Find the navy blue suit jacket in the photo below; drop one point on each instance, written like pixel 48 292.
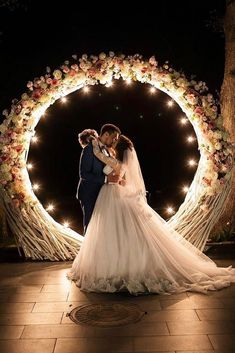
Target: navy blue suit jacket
pixel 91 176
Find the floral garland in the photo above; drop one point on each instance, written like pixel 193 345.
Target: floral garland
pixel 200 107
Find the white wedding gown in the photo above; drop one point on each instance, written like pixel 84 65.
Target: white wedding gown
pixel 129 247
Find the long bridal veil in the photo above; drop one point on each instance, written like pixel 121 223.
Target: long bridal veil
pixel 135 190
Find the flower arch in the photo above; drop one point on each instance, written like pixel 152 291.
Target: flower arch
pixel 36 232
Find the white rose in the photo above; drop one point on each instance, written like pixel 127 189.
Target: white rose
pixel 3 128
pixel 218 146
pixel 102 56
pixel 57 74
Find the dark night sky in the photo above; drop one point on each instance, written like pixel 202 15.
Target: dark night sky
pixel 173 32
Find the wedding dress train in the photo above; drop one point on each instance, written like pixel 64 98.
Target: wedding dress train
pixel 129 247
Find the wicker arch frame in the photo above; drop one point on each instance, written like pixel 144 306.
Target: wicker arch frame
pixel 37 234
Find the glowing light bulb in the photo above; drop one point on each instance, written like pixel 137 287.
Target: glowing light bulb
pixel 170 103
pixel 34 139
pixel 66 224
pixel 128 81
pixel 184 121
pixel 64 100
pixel 50 207
pixel 192 162
pixel 36 186
pixel 190 139
pixel 170 210
pixel 152 90
pixel 86 89
pixel 29 166
pixel 185 189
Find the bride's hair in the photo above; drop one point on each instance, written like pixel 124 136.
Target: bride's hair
pixel 122 145
pixel 86 136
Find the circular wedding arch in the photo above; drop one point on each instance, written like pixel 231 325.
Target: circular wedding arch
pixel 36 232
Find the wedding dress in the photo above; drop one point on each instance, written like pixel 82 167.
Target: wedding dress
pixel 129 247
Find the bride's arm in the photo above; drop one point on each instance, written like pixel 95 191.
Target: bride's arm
pixel 110 161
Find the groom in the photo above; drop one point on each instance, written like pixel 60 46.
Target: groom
pixel 91 171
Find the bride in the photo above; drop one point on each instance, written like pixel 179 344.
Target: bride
pixel 129 247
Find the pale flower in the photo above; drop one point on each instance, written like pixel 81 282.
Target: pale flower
pixel 192 99
pixel 6 176
pixel 102 56
pixel 217 135
pixel 24 96
pixel 3 128
pixel 13 154
pixel 5 168
pixel 218 146
pixel 153 61
pixel 57 74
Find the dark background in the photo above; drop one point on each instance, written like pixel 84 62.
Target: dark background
pixel 36 34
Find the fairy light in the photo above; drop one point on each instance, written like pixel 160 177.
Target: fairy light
pixel 86 89
pixel 36 187
pixel 190 139
pixel 66 224
pixel 128 81
pixel 50 207
pixel 29 166
pixel 183 121
pixel 34 139
pixel 170 103
pixel 152 90
pixel 170 210
pixel 192 162
pixel 185 189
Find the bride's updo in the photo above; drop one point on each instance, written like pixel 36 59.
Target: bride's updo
pixel 86 136
pixel 122 145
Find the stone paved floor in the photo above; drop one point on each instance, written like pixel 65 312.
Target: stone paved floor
pixel 35 297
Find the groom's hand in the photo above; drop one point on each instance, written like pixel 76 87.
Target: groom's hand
pixel 113 178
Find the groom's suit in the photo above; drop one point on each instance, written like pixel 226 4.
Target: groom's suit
pixel 91 179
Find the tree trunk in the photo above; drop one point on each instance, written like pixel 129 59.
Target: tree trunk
pixel 227 221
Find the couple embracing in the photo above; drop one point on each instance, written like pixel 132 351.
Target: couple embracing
pixel 127 246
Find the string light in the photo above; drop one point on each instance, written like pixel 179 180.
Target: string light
pixel 170 103
pixel 152 90
pixel 128 81
pixel 183 121
pixel 66 224
pixel 86 89
pixel 190 139
pixel 50 207
pixel 36 187
pixel 192 162
pixel 34 139
pixel 64 99
pixel 185 189
pixel 29 166
pixel 170 210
